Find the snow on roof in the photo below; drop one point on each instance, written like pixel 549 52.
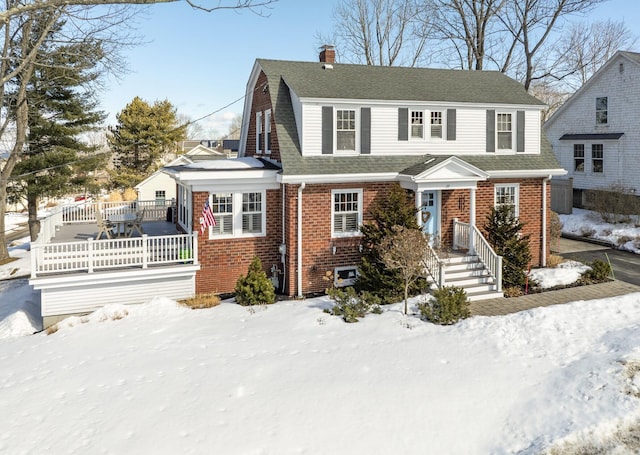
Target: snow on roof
pixel 232 163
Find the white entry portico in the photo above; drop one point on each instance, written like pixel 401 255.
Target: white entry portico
pixel 439 174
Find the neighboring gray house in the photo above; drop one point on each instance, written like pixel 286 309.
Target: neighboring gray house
pixel 596 134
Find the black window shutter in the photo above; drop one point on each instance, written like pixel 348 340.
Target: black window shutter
pixel 451 124
pixel 491 131
pixel 403 124
pixel 365 130
pixel 327 130
pixel 520 131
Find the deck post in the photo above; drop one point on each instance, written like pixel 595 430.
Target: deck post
pixel 145 251
pixel 194 239
pixel 90 255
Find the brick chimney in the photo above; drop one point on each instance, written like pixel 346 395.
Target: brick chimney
pixel 328 53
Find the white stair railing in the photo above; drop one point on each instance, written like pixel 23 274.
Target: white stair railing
pixel 462 233
pixel 434 266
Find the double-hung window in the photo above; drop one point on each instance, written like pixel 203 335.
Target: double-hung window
pixel 161 196
pixel 597 158
pixel 507 195
pixel 267 129
pixel 436 124
pixel 578 157
pixel 601 110
pixel 346 129
pixel 504 128
pixel 259 134
pixel 346 212
pixel 417 124
pixel 222 206
pixel 251 213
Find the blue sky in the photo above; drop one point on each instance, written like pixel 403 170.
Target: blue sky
pixel 201 61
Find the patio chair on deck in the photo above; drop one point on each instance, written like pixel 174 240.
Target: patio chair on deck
pixel 104 227
pixel 135 225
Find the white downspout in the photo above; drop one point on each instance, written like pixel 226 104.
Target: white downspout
pixel 543 262
pixel 300 188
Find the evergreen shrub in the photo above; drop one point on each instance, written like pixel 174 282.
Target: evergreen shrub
pixel 256 288
pixel 600 271
pixel 448 305
pixel 350 305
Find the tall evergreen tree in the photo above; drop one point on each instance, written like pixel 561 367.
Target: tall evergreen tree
pixel 504 234
pixel 60 108
pixel 395 210
pixel 144 133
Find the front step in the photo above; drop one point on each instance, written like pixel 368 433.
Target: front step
pixel 470 274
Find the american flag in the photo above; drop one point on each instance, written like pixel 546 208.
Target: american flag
pixel 207 217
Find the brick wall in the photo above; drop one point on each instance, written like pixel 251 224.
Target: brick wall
pixel 222 261
pixel 261 102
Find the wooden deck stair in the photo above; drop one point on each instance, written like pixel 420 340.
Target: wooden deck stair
pixel 467 272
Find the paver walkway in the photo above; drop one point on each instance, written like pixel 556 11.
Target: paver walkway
pixel 501 306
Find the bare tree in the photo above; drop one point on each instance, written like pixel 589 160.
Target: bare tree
pixel 382 32
pixel 22 42
pixel 404 250
pixel 468 25
pixel 585 47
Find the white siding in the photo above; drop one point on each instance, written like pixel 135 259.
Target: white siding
pixel 159 181
pixel 86 293
pixel 621 157
pixel 470 131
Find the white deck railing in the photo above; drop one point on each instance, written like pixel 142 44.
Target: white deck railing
pixel 86 211
pixel 93 255
pixel 463 234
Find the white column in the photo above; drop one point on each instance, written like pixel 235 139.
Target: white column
pixel 472 218
pixel 419 208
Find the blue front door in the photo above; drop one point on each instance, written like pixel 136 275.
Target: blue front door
pixel 429 214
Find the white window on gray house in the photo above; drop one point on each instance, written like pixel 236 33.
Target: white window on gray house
pixel 345 129
pixel 436 124
pixel 251 213
pixel 161 196
pixel 597 158
pixel 504 127
pixel 259 134
pixel 507 194
pixel 222 206
pixel 417 124
pixel 347 212
pixel 578 157
pixel 601 110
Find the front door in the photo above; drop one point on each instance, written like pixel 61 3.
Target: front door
pixel 429 214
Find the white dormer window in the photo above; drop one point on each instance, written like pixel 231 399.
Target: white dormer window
pixel 346 130
pixel 267 129
pixel 436 124
pixel 417 124
pixel 259 135
pixel 504 129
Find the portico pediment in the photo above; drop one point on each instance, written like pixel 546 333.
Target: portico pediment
pixel 449 173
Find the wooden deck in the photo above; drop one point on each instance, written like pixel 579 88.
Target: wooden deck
pixel 86 231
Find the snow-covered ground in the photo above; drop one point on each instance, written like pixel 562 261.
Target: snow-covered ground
pixel 289 378
pixel 585 223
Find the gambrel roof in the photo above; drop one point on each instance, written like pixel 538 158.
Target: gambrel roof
pixel 310 80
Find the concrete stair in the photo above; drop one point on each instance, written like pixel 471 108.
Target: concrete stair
pixel 469 273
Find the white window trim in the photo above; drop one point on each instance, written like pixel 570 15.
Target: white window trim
pixel 514 129
pixel 584 159
pixel 259 131
pixel 335 130
pixel 348 282
pixel 267 131
pixel 184 193
pixel 236 201
pixel 592 163
pixel 443 113
pixel 602 110
pixel 355 233
pixel 516 195
pixel 426 125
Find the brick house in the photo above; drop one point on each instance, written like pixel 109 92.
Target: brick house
pixel 320 142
